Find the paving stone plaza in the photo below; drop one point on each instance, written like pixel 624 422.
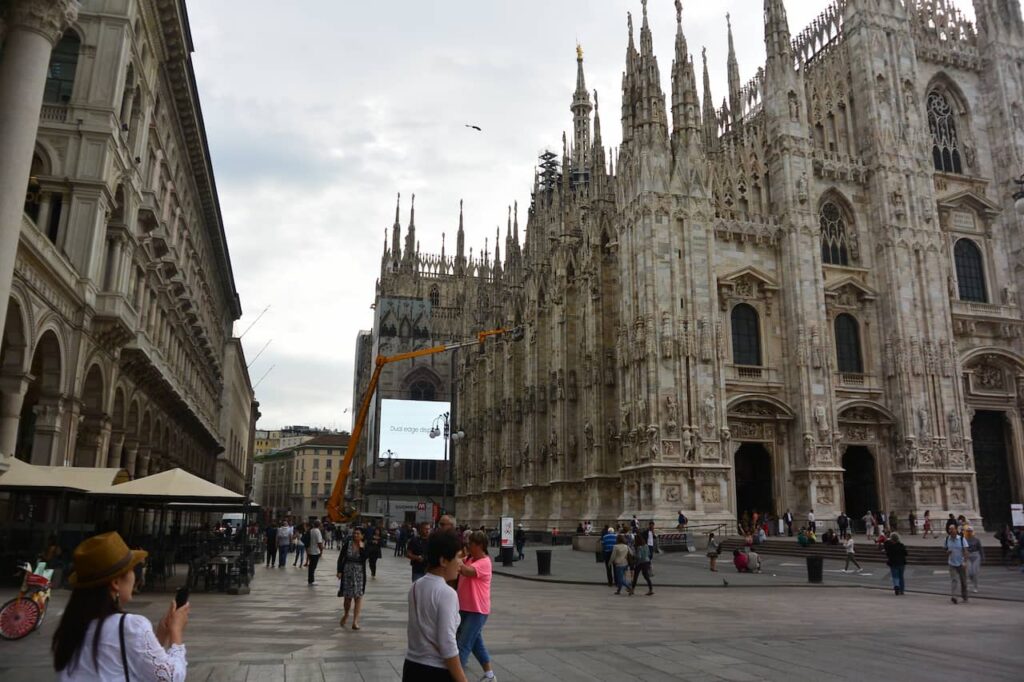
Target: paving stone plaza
pixel 760 627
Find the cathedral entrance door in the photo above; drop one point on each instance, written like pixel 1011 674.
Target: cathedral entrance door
pixel 860 487
pixel 988 431
pixel 753 471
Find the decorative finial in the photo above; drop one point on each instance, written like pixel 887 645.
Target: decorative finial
pixel 579 52
pixel 679 11
pixel 728 22
pixel 644 3
pixel 629 23
pixel 595 99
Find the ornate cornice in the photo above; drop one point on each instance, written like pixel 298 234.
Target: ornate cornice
pixel 48 18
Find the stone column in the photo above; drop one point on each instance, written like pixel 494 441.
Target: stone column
pixel 115 449
pixel 33 28
pixel 46 442
pixel 131 453
pixel 142 463
pixel 11 399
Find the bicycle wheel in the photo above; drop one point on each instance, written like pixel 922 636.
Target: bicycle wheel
pixel 43 604
pixel 18 617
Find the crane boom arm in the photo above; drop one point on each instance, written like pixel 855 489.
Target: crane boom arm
pixel 335 511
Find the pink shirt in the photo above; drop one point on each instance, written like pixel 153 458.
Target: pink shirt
pixel 475 593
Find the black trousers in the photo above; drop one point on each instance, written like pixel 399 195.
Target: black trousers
pixel 417 672
pixel 608 567
pixel 271 554
pixel 313 561
pixel 373 566
pixel 645 569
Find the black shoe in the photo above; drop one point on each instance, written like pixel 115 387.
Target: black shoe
pixel 953 599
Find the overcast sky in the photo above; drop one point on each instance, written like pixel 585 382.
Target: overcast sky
pixel 319 111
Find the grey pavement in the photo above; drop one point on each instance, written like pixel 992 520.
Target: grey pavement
pixel 683 569
pixel 286 630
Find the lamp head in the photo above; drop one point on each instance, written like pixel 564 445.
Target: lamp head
pixel 434 432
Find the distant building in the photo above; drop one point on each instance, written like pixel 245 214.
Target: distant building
pixel 297 480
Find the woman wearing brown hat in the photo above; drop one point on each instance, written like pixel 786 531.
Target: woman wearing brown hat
pixel 89 645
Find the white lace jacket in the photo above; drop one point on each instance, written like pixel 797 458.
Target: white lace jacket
pixel 147 660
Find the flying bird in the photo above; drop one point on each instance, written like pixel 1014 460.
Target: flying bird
pixel 476 128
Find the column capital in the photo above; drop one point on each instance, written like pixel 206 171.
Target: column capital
pixel 48 18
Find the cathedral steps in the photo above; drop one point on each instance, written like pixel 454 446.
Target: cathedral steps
pixel 929 555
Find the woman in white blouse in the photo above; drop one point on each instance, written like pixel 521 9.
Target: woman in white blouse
pixel 97 640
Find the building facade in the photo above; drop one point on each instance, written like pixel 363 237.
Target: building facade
pixel 807 297
pixel 297 481
pixel 117 346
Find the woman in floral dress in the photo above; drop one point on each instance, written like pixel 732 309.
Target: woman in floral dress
pixel 352 573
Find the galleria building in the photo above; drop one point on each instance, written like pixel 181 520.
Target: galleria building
pixel 805 298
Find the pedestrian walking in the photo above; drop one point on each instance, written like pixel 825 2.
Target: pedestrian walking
pixel 810 521
pixel 787 518
pixel 401 537
pixel 373 551
pixel 714 550
pixel 608 541
pixel 896 559
pixel 96 639
pixel 975 555
pixel 652 545
pixel 620 562
pixel 299 538
pixel 314 550
pixel 892 522
pixel 951 522
pixel 416 552
pixel 927 528
pixel 433 650
pixel 912 522
pixel 869 525
pixel 956 551
pixel 850 556
pixel 520 539
pixel 843 524
pixel 681 520
pixel 642 561
pixel 270 533
pixel 284 541
pixel 475 604
pixel 352 574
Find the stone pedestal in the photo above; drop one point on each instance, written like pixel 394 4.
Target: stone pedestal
pixel 46 442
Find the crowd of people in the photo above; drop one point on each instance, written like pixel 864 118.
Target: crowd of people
pixel 630 548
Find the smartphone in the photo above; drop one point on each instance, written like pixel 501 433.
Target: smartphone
pixel 181 597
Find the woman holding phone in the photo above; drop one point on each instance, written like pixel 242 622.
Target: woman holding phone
pixel 352 573
pixel 96 639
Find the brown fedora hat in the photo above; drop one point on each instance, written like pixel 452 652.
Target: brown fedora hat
pixel 102 558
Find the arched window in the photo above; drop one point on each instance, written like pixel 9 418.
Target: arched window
pixel 945 142
pixel 422 390
pixel 848 345
pixel 435 296
pixel 970 271
pixel 60 77
pixel 835 245
pixel 746 336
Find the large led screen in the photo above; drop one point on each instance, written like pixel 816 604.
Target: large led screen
pixel 405 428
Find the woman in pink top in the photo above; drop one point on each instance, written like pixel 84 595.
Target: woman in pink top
pixel 475 603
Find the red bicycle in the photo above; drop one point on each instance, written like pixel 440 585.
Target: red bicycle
pixel 25 613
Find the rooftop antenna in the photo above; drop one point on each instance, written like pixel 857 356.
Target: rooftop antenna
pixel 263 377
pixel 258 354
pixel 254 322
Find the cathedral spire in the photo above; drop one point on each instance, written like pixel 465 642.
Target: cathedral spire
pixel 597 156
pixel 460 245
pixel 580 115
pixel 710 119
pixel 396 231
pixel 735 102
pixel 646 40
pixel 410 236
pixel 515 222
pixel 776 35
pixel 999 19
pixel 685 115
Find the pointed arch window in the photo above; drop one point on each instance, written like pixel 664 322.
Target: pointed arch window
pixel 835 241
pixel 746 336
pixel 422 390
pixel 970 271
pixel 60 76
pixel 945 141
pixel 435 296
pixel 848 355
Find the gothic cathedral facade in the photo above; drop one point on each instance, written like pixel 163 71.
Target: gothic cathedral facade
pixel 807 297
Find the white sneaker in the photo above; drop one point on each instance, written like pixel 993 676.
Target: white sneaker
pixel 489 679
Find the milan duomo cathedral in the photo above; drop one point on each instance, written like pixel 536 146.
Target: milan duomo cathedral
pixel 806 297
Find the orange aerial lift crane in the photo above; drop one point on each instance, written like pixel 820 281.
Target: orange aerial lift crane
pixel 335 509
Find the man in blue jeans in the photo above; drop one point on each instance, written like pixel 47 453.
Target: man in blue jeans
pixel 607 545
pixel 284 541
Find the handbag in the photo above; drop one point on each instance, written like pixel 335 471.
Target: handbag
pixel 124 652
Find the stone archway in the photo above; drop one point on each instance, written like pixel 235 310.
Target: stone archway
pixel 752 467
pixel 42 410
pixel 14 381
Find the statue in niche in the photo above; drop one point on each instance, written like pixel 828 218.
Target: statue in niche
pixel 923 423
pixel 955 430
pixel 572 385
pixel 666 335
pixel 709 413
pixel 588 434
pixel 671 409
pixel 821 419
pixel 609 430
pixel 572 446
pixel 652 440
pixel 609 368
pixel 624 415
pixel 560 383
pixel 726 437
pixel 553 443
pixel 809 455
pixel 641 412
pixel 687 443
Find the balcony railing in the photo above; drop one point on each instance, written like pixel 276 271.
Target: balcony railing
pixel 54 113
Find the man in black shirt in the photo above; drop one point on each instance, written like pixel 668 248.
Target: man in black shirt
pixel 417 551
pixel 271 532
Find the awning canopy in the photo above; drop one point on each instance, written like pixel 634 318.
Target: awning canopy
pixel 31 477
pixel 173 485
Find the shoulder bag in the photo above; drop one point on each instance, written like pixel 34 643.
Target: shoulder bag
pixel 124 652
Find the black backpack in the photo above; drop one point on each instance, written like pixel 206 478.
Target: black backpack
pixel 305 539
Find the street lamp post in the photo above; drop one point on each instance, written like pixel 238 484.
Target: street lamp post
pixel 445 420
pixel 388 466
